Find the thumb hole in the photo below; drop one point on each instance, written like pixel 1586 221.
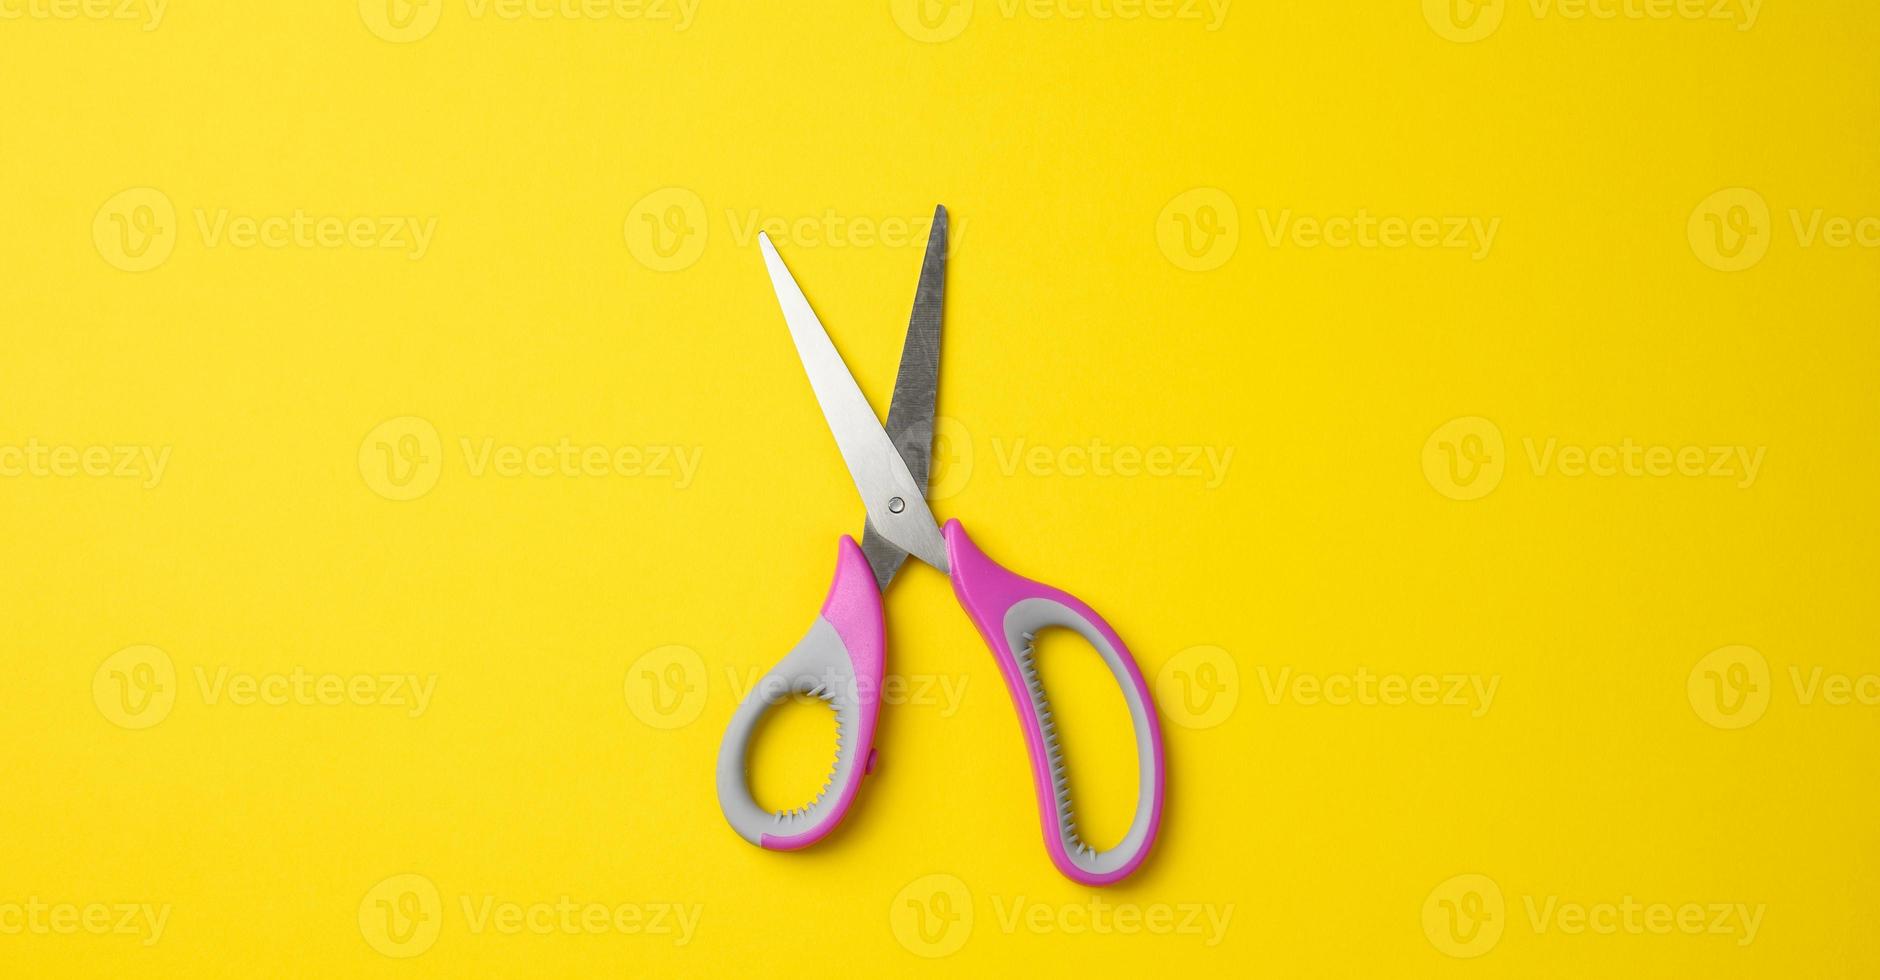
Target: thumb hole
pixel 792 753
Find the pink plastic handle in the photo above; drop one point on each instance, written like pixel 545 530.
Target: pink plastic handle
pixel 840 660
pixel 1010 610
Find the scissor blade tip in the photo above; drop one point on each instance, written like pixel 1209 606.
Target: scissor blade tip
pixel 771 259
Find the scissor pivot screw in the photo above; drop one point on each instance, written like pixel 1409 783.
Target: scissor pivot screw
pixel 896 505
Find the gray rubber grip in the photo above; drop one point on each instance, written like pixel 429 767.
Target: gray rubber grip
pixel 1023 622
pixel 819 666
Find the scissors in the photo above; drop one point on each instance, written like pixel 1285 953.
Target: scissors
pixel 840 659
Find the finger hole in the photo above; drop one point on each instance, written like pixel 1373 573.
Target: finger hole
pixel 1095 735
pixel 792 753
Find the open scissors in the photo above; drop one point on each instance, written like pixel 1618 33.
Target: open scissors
pixel 840 659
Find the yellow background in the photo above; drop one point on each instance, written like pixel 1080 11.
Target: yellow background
pixel 544 606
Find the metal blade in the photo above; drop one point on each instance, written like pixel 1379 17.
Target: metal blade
pixel 916 389
pixel 896 504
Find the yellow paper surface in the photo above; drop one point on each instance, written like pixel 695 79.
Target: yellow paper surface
pixel 1464 411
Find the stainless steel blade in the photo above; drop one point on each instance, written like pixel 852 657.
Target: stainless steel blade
pixel 896 504
pixel 916 389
